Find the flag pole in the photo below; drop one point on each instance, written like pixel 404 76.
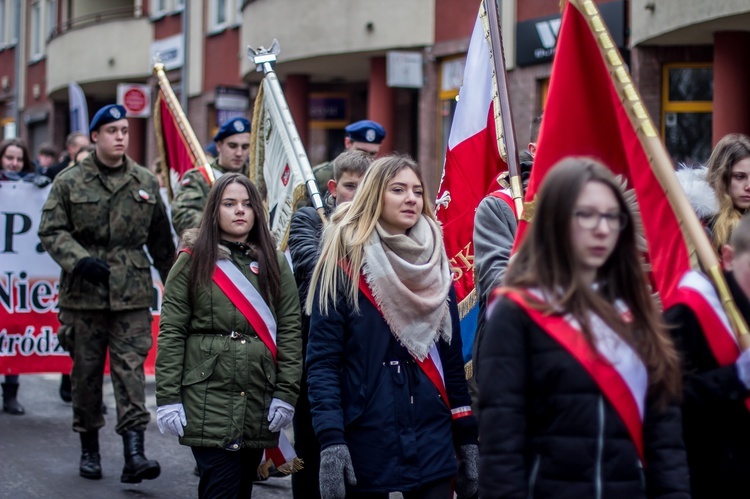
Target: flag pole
pixel 174 105
pixel 505 130
pixel 661 164
pixel 264 59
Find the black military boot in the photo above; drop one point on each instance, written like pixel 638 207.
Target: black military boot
pixel 91 467
pixel 137 467
pixel 10 404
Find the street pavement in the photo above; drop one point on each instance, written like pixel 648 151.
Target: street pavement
pixel 39 453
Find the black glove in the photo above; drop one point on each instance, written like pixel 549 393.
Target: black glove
pixel 336 471
pixel 92 269
pixel 467 478
pixel 41 181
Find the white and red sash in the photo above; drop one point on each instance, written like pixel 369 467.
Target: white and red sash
pixel 507 196
pixel 696 292
pixel 432 366
pixel 243 295
pixel 613 364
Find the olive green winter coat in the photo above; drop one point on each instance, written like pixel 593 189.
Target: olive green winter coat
pixel 225 384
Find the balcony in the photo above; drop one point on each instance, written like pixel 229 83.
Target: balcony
pixel 106 45
pixel 333 39
pixel 685 22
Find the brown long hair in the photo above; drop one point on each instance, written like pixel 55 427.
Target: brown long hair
pixel 206 249
pixel 731 149
pixel 546 260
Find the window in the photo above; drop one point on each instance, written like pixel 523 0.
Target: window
pixel 687 111
pixel 36 32
pixel 161 8
pixel 224 13
pixel 3 22
pixel 50 18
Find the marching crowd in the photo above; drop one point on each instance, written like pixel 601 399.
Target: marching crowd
pixel 582 387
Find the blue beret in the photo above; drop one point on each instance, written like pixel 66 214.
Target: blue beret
pixel 366 131
pixel 107 114
pixel 232 127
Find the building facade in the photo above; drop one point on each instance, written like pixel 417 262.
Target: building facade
pixel 399 62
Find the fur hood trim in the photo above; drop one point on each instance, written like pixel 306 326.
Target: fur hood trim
pixel 700 194
pixel 187 241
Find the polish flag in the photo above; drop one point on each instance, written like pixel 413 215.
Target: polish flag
pixel 472 165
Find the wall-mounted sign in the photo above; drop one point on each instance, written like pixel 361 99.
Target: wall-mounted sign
pixel 230 102
pixel 404 69
pixel 328 110
pixel 135 98
pixel 536 39
pixel 170 52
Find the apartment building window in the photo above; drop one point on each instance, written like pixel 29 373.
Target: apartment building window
pixel 3 23
pixel 224 14
pixel 35 37
pixel 50 20
pixel 218 14
pixel 687 111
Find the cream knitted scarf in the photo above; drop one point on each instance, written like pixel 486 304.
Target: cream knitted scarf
pixel 410 279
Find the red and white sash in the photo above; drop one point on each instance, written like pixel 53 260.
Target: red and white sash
pixel 614 366
pixel 243 295
pixel 507 196
pixel 432 366
pixel 696 292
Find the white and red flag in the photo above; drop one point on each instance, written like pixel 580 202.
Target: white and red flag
pixel 474 159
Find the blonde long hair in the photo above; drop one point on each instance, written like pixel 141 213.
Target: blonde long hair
pixel 350 228
pixel 731 149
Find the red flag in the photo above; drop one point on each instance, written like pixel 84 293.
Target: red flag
pixel 585 115
pixel 472 161
pixel 176 154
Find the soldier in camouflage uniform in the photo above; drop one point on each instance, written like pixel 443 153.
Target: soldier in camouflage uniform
pixel 233 146
pixel 365 135
pixel 99 215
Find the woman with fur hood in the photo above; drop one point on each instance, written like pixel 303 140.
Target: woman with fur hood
pixel 229 350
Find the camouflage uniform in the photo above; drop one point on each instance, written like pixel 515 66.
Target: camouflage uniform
pixel 190 199
pixel 111 217
pixel 323 173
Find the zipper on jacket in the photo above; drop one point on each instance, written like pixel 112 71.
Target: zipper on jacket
pixel 642 474
pixel 599 452
pixel 532 476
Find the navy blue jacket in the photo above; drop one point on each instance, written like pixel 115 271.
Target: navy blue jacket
pixel 548 431
pixel 367 392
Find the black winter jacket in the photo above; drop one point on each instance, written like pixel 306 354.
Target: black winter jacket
pixel 716 421
pixel 367 392
pixel 547 431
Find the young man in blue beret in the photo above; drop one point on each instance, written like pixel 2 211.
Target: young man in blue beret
pixel 365 135
pixel 99 216
pixel 233 148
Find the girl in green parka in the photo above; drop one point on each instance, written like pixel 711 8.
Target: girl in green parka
pixel 222 385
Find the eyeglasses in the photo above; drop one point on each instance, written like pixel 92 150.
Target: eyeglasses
pixel 590 219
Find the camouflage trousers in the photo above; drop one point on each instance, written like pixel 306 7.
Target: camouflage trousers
pixel 127 334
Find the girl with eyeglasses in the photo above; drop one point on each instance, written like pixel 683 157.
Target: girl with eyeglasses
pixel 581 377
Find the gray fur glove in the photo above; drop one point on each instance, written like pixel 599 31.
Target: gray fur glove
pixel 336 471
pixel 467 478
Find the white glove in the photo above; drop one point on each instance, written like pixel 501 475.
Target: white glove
pixel 743 368
pixel 280 414
pixel 171 418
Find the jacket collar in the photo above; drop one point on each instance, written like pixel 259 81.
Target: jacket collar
pixel 91 171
